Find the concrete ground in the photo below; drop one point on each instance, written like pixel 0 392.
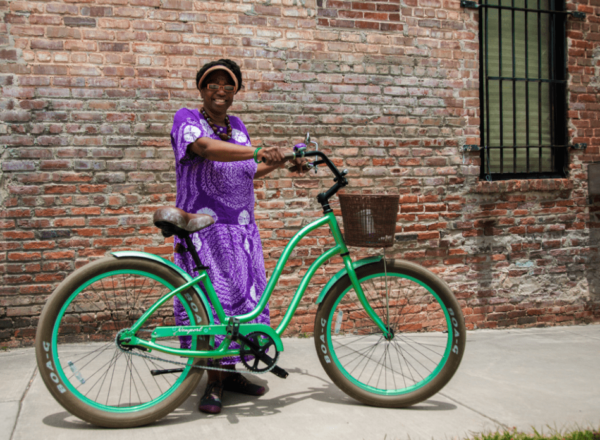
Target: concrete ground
pixel 536 378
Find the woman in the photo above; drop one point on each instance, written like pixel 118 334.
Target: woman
pixel 215 168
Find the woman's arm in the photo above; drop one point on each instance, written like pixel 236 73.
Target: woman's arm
pixel 221 151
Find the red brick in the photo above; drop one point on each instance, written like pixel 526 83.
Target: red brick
pixel 23 256
pixel 69 222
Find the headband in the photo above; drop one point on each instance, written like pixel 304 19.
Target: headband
pixel 220 67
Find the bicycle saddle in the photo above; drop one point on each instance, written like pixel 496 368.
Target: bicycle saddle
pixel 175 221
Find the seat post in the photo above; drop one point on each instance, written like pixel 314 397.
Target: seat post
pixel 192 250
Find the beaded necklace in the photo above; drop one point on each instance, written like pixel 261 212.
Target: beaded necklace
pixel 223 136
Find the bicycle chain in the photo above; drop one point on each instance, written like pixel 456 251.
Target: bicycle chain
pixel 156 358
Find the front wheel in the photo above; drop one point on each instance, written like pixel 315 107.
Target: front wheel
pixel 79 358
pixel 427 342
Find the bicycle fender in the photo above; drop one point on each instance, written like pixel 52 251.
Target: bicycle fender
pixel 343 272
pixel 179 270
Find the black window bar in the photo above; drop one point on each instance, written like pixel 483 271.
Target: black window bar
pixel 523 88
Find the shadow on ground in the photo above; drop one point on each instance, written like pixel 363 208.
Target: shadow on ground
pixel 239 406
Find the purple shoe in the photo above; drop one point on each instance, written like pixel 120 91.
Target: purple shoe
pixel 210 403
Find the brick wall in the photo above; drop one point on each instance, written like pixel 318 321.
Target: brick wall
pixel 379 16
pixel 89 89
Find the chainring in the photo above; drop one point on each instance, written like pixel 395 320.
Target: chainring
pixel 257 360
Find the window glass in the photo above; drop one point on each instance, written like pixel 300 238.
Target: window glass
pixel 518 86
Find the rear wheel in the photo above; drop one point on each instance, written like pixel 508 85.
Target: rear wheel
pixel 426 323
pixel 80 361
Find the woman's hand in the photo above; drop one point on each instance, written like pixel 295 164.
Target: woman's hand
pixel 272 156
pixel 298 165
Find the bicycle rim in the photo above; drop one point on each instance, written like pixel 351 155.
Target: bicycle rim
pixel 86 356
pixel 419 349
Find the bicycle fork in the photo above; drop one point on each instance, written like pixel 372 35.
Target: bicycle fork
pixel 337 235
pixel 387 333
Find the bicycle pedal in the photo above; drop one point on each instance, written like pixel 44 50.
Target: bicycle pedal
pixel 280 372
pixel 169 371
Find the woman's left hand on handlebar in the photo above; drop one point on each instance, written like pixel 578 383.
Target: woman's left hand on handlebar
pixel 276 157
pixel 272 156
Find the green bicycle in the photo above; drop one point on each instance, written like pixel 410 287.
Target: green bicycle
pixel 387 332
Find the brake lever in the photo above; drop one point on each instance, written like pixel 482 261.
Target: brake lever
pixel 304 168
pixel 314 164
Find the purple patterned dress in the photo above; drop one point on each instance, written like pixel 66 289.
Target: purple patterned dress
pixel 231 247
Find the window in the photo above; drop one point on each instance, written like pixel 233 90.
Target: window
pixel 523 89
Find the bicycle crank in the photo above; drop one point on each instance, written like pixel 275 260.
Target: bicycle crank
pixel 253 353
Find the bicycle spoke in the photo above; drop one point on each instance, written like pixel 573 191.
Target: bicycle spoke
pixel 91 302
pixel 124 376
pixel 114 291
pixel 137 296
pixel 353 351
pixel 429 359
pixel 369 358
pixel 401 369
pixel 416 360
pixel 114 357
pixel 393 375
pixel 92 286
pixel 103 376
pixel 423 344
pixel 387 299
pixel 92 352
pixel 153 377
pixel 365 358
pixel 89 377
pixel 142 381
pixel 375 369
pixel 132 379
pixel 126 293
pixel 112 377
pixel 345 345
pixel 408 364
pixel 89 362
pixel 384 369
pixel 383 365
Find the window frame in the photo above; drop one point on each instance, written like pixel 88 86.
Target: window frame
pixel 558 93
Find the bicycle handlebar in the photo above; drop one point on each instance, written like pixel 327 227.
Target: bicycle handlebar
pixel 340 180
pixel 327 162
pixel 323 159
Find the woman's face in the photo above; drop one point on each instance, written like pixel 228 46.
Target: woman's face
pixel 217 101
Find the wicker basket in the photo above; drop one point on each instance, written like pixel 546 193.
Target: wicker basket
pixel 369 220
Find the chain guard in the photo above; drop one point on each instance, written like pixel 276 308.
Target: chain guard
pixel 129 350
pixel 253 352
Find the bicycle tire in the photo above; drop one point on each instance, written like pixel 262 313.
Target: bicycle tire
pixel 83 316
pixel 419 307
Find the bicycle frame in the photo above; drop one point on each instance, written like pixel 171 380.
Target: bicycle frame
pixel 128 337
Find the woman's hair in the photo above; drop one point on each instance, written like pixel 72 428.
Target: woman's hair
pixel 230 64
